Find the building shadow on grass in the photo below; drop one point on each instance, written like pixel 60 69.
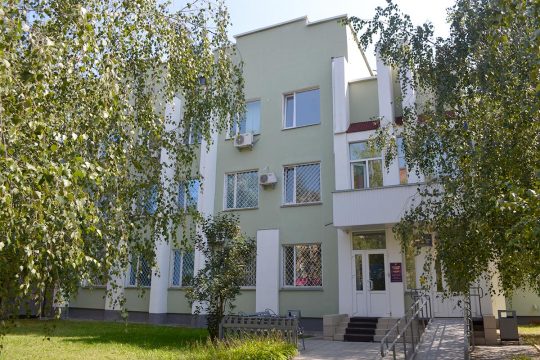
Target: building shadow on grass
pixel 98 332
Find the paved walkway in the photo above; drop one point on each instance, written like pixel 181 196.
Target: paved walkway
pixel 444 339
pixel 318 349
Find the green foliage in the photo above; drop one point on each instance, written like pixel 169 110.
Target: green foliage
pixel 474 133
pixel 226 253
pixel 103 340
pixel 83 88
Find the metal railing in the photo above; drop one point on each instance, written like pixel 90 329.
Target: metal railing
pixel 408 330
pixel 469 327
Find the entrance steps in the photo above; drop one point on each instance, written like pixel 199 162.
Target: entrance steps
pixel 361 329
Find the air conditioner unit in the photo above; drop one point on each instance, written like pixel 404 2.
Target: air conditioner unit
pixel 243 140
pixel 267 179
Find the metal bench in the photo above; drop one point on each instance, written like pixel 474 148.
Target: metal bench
pixel 259 325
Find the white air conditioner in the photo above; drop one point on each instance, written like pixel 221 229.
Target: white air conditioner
pixel 243 140
pixel 267 179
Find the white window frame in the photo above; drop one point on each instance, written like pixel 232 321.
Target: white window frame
pixel 231 135
pixel 171 270
pixel 284 270
pixel 284 194
pixel 236 173
pixel 293 94
pixel 366 166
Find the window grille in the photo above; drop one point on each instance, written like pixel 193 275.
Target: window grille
pixel 140 272
pixel 302 184
pixel 183 268
pixel 188 194
pixel 302 265
pixel 250 278
pixel 146 201
pixel 242 190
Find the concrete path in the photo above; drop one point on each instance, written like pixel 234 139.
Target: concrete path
pixel 318 349
pixel 444 339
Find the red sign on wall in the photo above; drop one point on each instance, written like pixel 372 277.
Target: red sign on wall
pixel 396 274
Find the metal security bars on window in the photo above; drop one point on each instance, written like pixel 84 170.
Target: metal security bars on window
pixel 302 184
pixel 250 278
pixel 183 268
pixel 302 265
pixel 140 272
pixel 188 194
pixel 242 190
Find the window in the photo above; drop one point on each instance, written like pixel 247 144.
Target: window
pixel 188 194
pixel 242 190
pixel 302 109
pixel 250 122
pixel 250 277
pixel 366 166
pixel 403 177
pixel 369 241
pixel 140 272
pixel 147 200
pixel 193 136
pixel 302 184
pixel 183 263
pixel 302 265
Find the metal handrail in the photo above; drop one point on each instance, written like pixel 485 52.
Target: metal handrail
pixel 421 306
pixel 469 327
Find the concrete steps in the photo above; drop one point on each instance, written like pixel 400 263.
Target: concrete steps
pixel 361 329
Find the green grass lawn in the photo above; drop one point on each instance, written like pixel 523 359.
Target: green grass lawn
pixel 91 340
pixel 530 333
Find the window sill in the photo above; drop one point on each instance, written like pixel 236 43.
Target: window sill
pixel 87 287
pixel 135 287
pixel 299 127
pixel 241 209
pixel 249 288
pixel 232 137
pixel 302 288
pixel 301 204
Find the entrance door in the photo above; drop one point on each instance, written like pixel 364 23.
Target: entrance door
pixel 442 306
pixel 370 283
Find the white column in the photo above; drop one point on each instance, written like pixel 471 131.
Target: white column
pixel 206 201
pixel 160 273
pixel 115 293
pixel 267 289
pixel 340 95
pixel 396 290
pixel 385 92
pixel 345 275
pixel 342 170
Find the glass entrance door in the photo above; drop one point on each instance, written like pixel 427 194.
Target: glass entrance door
pixel 370 283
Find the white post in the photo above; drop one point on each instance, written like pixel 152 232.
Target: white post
pixel 267 288
pixel 345 275
pixel 206 201
pixel 160 273
pixel 340 95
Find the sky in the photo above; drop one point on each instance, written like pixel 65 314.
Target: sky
pixel 247 15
